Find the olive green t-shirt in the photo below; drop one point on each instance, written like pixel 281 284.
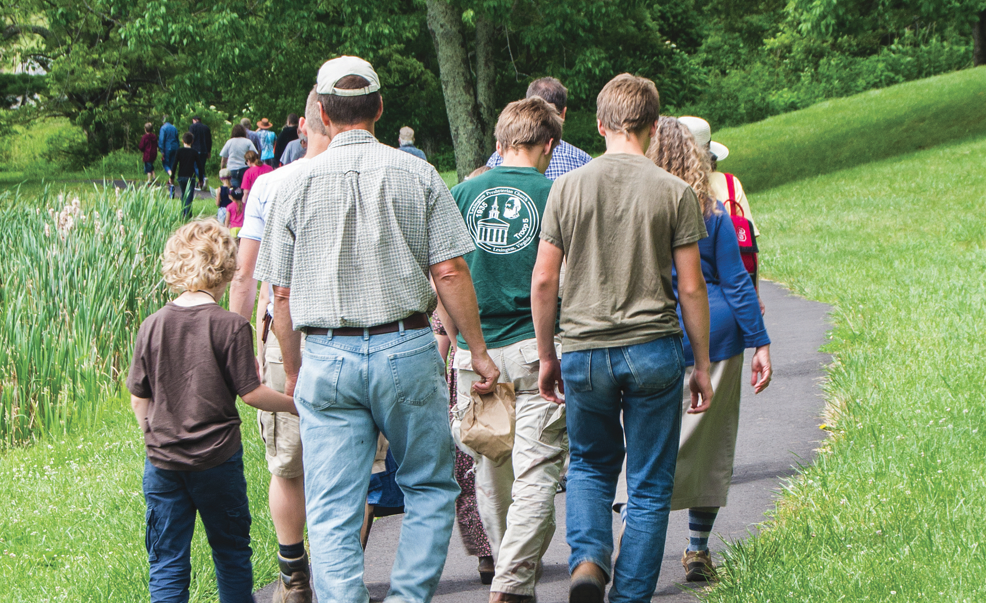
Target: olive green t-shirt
pixel 502 209
pixel 617 219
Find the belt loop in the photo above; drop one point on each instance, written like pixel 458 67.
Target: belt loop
pixel 366 334
pixel 400 326
pixel 329 334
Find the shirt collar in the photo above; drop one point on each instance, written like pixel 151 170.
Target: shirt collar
pixel 352 137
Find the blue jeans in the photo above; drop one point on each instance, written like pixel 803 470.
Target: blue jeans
pixel 168 157
pixel 219 495
pixel 644 382
pixel 187 188
pixel 348 389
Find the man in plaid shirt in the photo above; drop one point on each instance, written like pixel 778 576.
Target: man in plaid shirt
pixel 565 157
pixel 348 247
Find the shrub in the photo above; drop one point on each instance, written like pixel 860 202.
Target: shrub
pixel 68 150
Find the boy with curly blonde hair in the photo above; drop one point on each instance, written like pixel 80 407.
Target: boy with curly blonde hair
pixel 191 359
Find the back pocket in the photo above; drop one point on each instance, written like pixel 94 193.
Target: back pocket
pixel 418 377
pixel 656 365
pixel 318 381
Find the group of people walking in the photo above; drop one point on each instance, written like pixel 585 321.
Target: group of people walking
pixel 580 293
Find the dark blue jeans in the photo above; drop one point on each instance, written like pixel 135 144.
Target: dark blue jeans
pixel 187 188
pixel 219 495
pixel 643 383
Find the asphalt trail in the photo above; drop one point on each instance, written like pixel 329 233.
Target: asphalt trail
pixel 779 430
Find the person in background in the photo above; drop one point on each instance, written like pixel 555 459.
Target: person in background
pixel 186 161
pixel 148 145
pixel 222 196
pixel 565 157
pixel 267 142
pixel 503 209
pixel 233 155
pixel 288 133
pixel 234 212
pixel 708 441
pixel 406 143
pixel 401 225
pixel 253 136
pixel 202 145
pixel 167 141
pixel 191 360
pixel 621 224
pixel 255 170
pixel 296 149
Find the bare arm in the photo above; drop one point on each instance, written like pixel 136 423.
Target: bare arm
pixel 454 286
pixel 243 290
pixel 694 299
pixel 289 339
pixel 140 409
pixel 222 162
pixel 267 399
pixel 544 308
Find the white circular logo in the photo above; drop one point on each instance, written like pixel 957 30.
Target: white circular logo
pixel 503 220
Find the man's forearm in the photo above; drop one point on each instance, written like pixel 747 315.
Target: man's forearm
pixel 243 290
pixel 544 310
pixel 288 339
pixel 454 287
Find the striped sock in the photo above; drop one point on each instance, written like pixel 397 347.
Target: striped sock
pixel 700 520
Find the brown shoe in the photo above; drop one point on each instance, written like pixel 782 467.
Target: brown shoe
pixel 698 566
pixel 295 583
pixel 487 569
pixel 588 584
pixel 498 597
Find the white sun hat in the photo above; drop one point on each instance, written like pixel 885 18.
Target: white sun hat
pixel 702 132
pixel 334 70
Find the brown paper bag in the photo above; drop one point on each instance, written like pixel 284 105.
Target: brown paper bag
pixel 488 425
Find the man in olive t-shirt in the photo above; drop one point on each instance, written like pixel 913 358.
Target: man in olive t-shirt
pixel 502 209
pixel 621 223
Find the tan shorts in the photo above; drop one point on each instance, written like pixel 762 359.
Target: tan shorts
pixel 279 430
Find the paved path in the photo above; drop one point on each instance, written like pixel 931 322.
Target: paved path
pixel 778 431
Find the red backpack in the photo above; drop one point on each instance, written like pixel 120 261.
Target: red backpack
pixel 744 231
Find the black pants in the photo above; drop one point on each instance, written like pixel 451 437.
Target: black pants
pixel 200 167
pixel 187 187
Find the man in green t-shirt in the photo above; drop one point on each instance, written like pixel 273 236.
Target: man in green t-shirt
pixel 621 223
pixel 502 209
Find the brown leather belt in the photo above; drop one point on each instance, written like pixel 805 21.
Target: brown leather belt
pixel 414 321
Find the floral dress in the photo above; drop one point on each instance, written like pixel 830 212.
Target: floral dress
pixel 466 513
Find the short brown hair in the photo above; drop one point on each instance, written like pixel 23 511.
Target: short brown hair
pixel 148 126
pixel 528 122
pixel 237 132
pixel 251 157
pixel 200 255
pixel 188 138
pixel 313 115
pixel 349 110
pixel 551 90
pixel 628 104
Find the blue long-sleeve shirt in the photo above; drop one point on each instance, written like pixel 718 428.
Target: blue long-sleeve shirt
pixel 167 138
pixel 735 322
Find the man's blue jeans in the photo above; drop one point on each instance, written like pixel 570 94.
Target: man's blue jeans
pixel 168 157
pixel 348 389
pixel 220 497
pixel 644 383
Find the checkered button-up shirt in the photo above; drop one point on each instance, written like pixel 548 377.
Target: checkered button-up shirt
pixel 353 235
pixel 564 159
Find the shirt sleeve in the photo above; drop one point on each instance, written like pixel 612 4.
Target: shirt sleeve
pixel 225 151
pixel 690 226
pixel 138 381
pixel 551 221
pixel 240 363
pixel 253 214
pixel 275 262
pixel 448 236
pixel 736 285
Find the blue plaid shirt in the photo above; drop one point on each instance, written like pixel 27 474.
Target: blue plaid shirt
pixel 564 159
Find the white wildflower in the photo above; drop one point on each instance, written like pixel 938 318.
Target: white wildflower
pixel 119 215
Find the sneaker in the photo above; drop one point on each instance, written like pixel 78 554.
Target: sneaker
pixel 295 583
pixel 698 566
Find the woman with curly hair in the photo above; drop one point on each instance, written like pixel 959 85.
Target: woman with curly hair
pixel 708 440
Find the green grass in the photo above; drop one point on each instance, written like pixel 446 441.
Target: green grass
pixel 847 132
pixel 892 508
pixel 72 522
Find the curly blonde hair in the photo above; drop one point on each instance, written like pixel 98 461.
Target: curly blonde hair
pixel 675 150
pixel 200 255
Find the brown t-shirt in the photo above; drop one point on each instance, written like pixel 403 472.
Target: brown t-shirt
pixel 192 362
pixel 618 219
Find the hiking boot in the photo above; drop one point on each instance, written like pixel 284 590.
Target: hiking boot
pixel 588 584
pixel 295 583
pixel 698 566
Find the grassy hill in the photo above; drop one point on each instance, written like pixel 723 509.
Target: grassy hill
pixel 847 132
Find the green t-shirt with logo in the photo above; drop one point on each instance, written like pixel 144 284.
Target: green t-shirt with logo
pixel 503 209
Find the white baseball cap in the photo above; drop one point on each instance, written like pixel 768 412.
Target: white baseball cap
pixel 334 70
pixel 702 132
